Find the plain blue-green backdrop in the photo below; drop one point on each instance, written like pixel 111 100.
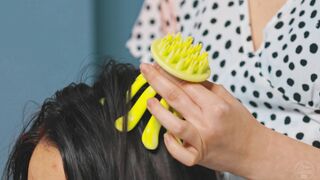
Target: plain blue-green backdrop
pixel 44 45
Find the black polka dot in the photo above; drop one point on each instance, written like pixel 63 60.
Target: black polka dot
pixel 227 23
pixel 316 144
pixel 187 16
pixel 233 73
pixel 152 21
pixel 291 21
pixel 215 55
pixel 243 89
pixel 306 119
pixel 290 82
pixel 310 103
pixel 312 2
pixel 208 48
pixel 233 88
pixel 287 120
pixel 306 34
pixel 178 19
pixel 228 44
pixel 241 17
pixel 195 4
pixel 274 54
pixel 249 38
pixel 278 73
pixel 242 63
pixel 213 20
pixel 301 24
pixel 299 135
pixel 297 97
pixel 280 37
pixel 231 3
pixel 284 46
pixel 301 13
pixel 279 25
pixel 303 62
pixel 268 105
pixel 293 37
pixel 214 6
pixel 281 90
pixel 222 63
pixel 313 14
pixel 215 77
pixel 218 37
pixel 256 94
pixel 252 79
pixel 255 115
pixel 238 31
pixel 273 117
pixel 313 77
pixel 253 104
pixel 240 50
pixel 313 48
pixel 246 74
pixel 293 10
pixel 286 59
pixel 317 111
pixel 270 95
pixel 291 66
pixel 267 44
pixel 305 87
pixel 299 49
pixel 205 32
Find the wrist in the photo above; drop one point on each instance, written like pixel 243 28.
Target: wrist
pixel 256 155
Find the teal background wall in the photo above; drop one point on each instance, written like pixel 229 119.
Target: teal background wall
pixel 115 19
pixel 43 46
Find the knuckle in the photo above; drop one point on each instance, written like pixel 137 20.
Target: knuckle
pixel 179 128
pixel 152 76
pixel 173 95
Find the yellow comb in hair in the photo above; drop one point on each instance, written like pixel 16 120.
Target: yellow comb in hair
pixel 180 58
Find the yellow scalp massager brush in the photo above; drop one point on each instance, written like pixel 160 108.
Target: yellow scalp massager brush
pixel 180 58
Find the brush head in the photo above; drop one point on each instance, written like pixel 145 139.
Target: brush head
pixel 181 58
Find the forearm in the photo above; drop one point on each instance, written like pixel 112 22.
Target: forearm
pixel 274 156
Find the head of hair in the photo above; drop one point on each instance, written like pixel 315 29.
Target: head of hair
pixel 82 129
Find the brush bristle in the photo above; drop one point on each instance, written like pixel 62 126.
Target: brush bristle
pixel 181 54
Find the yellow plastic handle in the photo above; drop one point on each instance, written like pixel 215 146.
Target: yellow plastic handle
pixel 150 135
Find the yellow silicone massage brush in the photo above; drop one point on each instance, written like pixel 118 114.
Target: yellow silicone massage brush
pixel 180 58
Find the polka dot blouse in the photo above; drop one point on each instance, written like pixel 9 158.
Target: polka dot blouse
pixel 279 82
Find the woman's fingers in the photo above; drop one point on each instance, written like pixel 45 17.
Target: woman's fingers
pixel 180 128
pixel 196 91
pixel 172 93
pixel 219 91
pixel 179 152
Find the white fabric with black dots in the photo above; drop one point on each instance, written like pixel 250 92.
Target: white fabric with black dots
pixel 279 82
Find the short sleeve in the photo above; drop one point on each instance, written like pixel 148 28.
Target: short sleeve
pixel 156 18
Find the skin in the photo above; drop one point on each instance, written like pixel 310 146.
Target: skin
pixel 261 12
pixel 46 163
pixel 220 133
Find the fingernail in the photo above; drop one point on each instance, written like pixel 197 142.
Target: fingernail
pixel 156 66
pixel 144 68
pixel 150 102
